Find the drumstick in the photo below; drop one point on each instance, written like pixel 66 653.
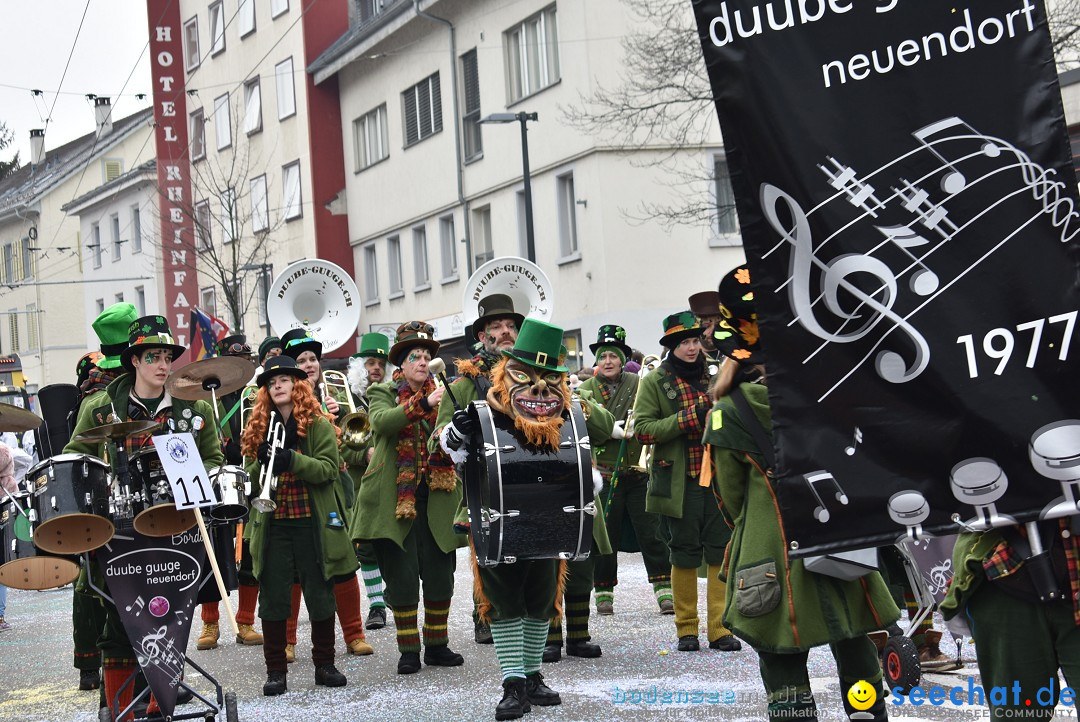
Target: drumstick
pixel 438 367
pixel 15 502
pixel 217 572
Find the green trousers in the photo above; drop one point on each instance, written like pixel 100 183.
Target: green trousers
pixel 787 682
pixel 420 558
pixel 524 589
pixel 628 503
pixel 291 553
pixel 87 621
pixel 1019 641
pixel 700 532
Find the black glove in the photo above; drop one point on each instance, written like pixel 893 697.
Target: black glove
pixel 282 460
pixel 263 453
pixel 460 428
pixel 232 453
pixel 703 409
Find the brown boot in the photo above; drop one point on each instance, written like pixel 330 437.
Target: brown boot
pixel 248 635
pixel 208 637
pixel 930 655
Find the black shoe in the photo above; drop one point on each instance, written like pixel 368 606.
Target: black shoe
pixel 552 653
pixel 409 663
pixel 376 618
pixel 89 679
pixel 515 701
pixel 328 676
pixel 539 693
pixel 582 649
pixel 275 684
pixel 482 633
pixel 441 656
pixel 689 643
pixel 727 643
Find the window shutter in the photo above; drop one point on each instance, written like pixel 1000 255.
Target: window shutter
pixel 113 169
pixel 423 108
pixel 411 131
pixel 471 76
pixel 436 104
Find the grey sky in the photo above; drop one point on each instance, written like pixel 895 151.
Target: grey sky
pixel 39 36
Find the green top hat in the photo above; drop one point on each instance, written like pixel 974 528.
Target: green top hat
pixel 611 335
pixel 268 343
pixel 678 327
pixel 111 327
pixel 277 366
pixel 737 333
pixel 373 344
pixel 298 340
pixel 410 335
pixel 539 344
pixel 497 305
pixel 146 333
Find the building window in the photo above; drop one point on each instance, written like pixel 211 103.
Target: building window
pixel 222 121
pixel 420 257
pixel 208 300
pixel 263 291
pixel 448 245
pixel 112 169
pixel 369 10
pixel 192 56
pixel 286 93
pixel 9 263
pixel 230 216
pixel 31 326
pixel 260 210
pixel 13 329
pixel 245 17
pixel 100 306
pixel 114 222
pixel 95 248
pixel 197 130
pixel 140 300
pixel 292 203
pixel 470 114
pixel 393 254
pixel 118 298
pixel 532 50
pixel 217 28
pixel 27 259
pixel 371 275
pixel 568 235
pixel 136 230
pixel 202 226
pixel 422 109
pixel 727 222
pixel 277 7
pixel 369 138
pixel 252 107
pixel 483 251
pixel 574 356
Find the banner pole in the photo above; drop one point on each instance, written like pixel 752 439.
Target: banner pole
pixel 217 572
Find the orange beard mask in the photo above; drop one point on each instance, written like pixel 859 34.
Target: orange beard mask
pixel 534 398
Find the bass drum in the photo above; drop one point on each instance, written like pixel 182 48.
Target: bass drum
pixel 525 502
pixel 22 566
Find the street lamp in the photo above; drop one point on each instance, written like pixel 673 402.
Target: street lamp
pixel 266 275
pixel 523 118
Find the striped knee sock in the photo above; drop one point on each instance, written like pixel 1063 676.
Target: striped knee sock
pixel 534 633
pixel 661 588
pixel 408 636
pixel 509 646
pixel 577 618
pixel 605 595
pixel 555 632
pixel 435 614
pixel 373 584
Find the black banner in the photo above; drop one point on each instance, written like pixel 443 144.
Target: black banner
pixel 154 583
pixel 908 205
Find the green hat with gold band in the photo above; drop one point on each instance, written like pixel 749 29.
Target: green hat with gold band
pixel 111 327
pixel 678 327
pixel 373 344
pixel 539 344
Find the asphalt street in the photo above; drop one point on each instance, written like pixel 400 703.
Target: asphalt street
pixel 38 682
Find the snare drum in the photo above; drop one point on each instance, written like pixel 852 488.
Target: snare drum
pixel 230 484
pixel 152 506
pixel 70 503
pixel 526 502
pixel 21 565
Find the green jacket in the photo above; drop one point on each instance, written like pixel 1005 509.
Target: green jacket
pixel 772 601
pixel 316 463
pixel 656 413
pixel 619 404
pixel 968 573
pixel 377 501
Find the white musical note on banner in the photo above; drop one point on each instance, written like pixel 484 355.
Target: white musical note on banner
pixel 821 512
pixel 137 603
pixel 860 193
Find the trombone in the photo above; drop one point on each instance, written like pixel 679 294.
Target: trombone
pixel 275 436
pixel 355 425
pixel 248 396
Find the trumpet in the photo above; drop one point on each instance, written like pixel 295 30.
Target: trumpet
pixel 275 436
pixel 355 425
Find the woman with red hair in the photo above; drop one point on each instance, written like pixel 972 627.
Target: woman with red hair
pixel 304 536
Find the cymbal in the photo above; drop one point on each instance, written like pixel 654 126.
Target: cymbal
pixel 12 418
pixel 224 374
pixel 118 430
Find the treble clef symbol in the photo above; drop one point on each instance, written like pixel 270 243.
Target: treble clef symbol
pixel 890 365
pixel 150 643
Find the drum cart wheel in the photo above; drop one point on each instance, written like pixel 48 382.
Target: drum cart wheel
pixel 900 664
pixel 211 711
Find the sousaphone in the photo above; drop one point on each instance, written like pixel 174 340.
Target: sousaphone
pixel 319 296
pixel 522 280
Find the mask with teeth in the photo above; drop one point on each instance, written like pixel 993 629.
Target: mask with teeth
pixel 534 398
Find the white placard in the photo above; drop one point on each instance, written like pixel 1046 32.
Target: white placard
pixel 179 455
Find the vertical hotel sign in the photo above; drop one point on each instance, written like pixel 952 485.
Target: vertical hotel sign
pixel 174 198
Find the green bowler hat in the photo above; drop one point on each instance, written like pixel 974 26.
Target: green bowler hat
pixel 373 344
pixel 539 344
pixel 111 327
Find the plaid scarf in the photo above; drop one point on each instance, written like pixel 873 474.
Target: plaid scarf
pixel 414 463
pixel 98 379
pixel 1004 561
pixel 688 399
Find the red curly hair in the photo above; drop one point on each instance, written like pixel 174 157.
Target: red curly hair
pixel 306 408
